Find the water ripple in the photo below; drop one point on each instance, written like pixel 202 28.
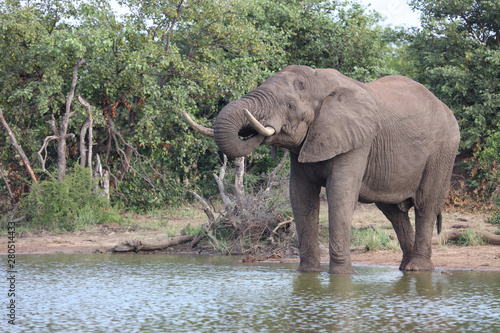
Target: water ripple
pixel 165 293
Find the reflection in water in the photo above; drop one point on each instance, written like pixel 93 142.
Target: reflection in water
pixel 166 293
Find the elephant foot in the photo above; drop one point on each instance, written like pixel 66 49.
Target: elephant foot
pixel 419 264
pixel 404 263
pixel 341 269
pixel 309 268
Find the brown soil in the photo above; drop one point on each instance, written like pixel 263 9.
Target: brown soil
pixel 103 238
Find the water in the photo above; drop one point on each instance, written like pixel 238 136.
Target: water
pixel 181 293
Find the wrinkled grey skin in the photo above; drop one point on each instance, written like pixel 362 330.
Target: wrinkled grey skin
pixel 391 142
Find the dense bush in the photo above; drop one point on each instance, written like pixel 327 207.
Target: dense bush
pixel 163 57
pixel 456 54
pixel 71 204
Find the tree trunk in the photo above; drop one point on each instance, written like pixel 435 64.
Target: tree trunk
pixel 86 153
pixel 63 129
pixel 125 163
pixel 18 148
pixel 239 189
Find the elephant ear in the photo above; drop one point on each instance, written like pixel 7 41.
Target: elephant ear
pixel 347 119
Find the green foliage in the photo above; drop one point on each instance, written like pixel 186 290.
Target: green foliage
pixel 457 55
pixel 190 230
pixel 373 239
pixel 495 215
pixel 67 205
pixel 163 57
pixel 327 34
pixel 469 237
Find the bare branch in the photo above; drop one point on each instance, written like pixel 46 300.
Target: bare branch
pixel 18 148
pixel 52 123
pixel 205 206
pixel 271 236
pixel 239 190
pixel 43 159
pixel 272 182
pixel 219 180
pixel 206 229
pixel 86 159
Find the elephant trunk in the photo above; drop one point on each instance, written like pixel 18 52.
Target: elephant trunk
pixel 233 133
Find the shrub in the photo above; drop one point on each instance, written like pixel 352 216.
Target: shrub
pixel 373 239
pixel 67 205
pixel 470 238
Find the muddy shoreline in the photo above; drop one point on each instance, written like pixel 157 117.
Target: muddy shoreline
pixel 102 239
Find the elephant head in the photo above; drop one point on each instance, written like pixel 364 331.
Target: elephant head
pixel 317 114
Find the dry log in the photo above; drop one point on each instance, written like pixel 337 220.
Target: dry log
pixel 454 235
pixel 136 245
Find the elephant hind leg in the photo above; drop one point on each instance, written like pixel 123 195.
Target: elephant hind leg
pixel 404 230
pixel 430 198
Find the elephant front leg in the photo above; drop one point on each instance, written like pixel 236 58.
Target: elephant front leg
pixel 304 197
pixel 340 221
pixel 342 190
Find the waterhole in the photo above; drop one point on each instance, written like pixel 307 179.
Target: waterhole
pixel 194 293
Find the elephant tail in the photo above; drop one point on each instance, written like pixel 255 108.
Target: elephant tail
pixel 439 222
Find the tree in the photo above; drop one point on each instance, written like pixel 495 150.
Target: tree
pixel 457 55
pixel 163 57
pixel 327 34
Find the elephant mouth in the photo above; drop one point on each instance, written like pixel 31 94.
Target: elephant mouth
pixel 247 132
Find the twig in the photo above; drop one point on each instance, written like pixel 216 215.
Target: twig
pixel 271 183
pixel 206 229
pixel 205 206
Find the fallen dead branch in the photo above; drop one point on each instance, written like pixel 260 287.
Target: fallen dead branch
pixel 454 235
pixel 281 224
pixel 137 245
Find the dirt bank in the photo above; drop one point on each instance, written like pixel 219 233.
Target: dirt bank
pixel 102 239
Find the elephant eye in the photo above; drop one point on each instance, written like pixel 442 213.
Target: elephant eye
pixel 289 105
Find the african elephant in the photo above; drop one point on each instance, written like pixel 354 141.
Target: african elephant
pixel 390 142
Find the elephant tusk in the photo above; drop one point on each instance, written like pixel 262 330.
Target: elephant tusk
pixel 202 129
pixel 265 131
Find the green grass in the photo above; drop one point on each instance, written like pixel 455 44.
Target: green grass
pixel 470 238
pixel 190 230
pixel 373 239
